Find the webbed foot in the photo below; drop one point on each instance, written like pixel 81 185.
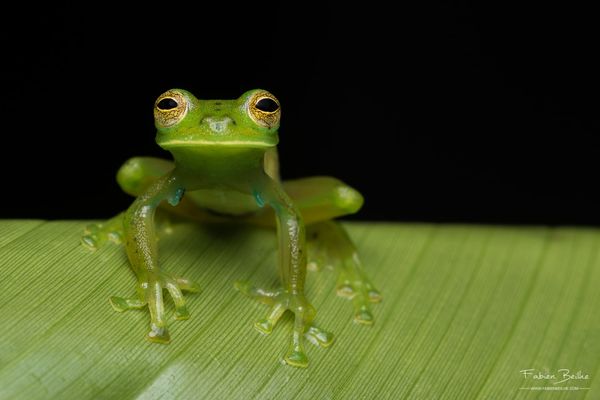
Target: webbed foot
pixel 96 235
pixel 304 313
pixel 330 246
pixel 150 293
pixel 355 286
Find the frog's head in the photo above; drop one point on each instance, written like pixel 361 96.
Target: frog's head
pixel 183 121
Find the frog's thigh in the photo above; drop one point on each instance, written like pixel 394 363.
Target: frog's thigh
pixel 322 198
pixel 138 173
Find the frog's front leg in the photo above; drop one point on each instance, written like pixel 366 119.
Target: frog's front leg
pixel 292 263
pixel 142 251
pixel 320 199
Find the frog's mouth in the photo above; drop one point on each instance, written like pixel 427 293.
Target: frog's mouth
pixel 220 142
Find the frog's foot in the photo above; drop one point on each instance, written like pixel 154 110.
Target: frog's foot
pixel 96 235
pixel 319 256
pixel 281 301
pixel 355 286
pixel 150 293
pixel 330 246
pixel 352 283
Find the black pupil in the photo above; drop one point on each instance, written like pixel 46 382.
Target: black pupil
pixel 167 104
pixel 267 105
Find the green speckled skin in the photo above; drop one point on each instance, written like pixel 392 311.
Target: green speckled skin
pixel 225 167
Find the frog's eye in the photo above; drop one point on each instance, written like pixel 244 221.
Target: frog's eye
pixel 264 109
pixel 267 104
pixel 170 108
pixel 167 103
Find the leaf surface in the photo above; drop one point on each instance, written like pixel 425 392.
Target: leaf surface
pixel 465 310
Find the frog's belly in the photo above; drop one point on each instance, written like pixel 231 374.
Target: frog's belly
pixel 224 202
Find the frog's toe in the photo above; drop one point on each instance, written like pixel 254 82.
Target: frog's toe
pixel 319 337
pixel 92 237
pixel 187 285
pixel 361 292
pixel 319 255
pixel 374 295
pixel 362 295
pixel 304 329
pixel 363 315
pixel 296 358
pixel 182 313
pixel 243 287
pixel 258 294
pixel 264 325
pixel 122 304
pixel 96 235
pixel 158 334
pixel 150 294
pixel 90 242
pixel 345 290
pixel 267 324
pixel 348 290
pixel 280 302
pixel 175 285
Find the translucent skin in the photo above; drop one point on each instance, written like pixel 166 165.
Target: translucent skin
pixel 225 166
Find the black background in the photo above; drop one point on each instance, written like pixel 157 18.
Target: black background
pixel 463 112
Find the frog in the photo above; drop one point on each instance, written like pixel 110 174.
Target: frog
pixel 225 167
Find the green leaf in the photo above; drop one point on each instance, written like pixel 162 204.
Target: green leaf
pixel 465 310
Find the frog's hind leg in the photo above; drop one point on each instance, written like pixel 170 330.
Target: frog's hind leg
pixel 137 174
pixel 330 246
pixel 134 177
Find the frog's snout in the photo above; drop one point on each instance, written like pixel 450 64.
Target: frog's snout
pixel 218 125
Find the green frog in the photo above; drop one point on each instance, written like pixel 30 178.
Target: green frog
pixel 226 168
